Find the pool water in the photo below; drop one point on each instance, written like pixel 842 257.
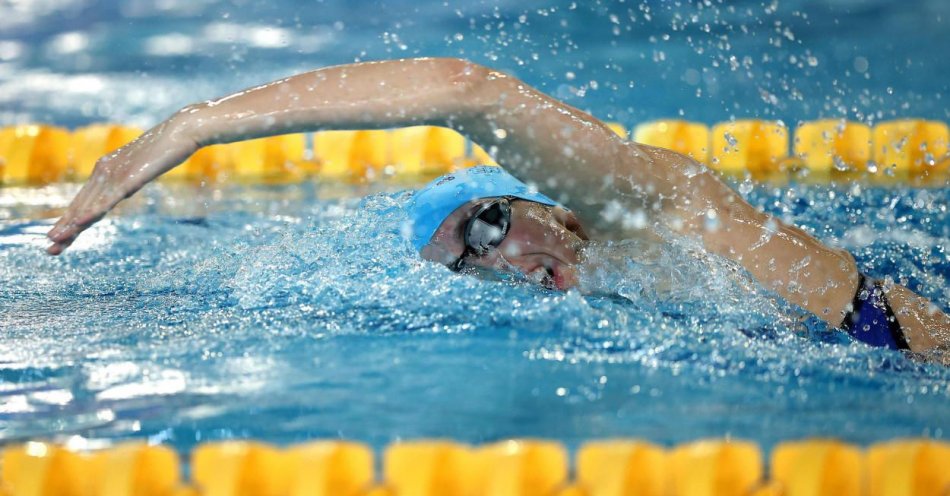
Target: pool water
pixel 285 313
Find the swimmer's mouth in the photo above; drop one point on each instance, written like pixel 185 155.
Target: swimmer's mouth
pixel 544 276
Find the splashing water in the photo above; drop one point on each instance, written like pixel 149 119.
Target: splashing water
pixel 284 314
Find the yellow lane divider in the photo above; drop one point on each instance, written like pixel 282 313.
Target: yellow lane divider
pixel 43 469
pixel 423 468
pixel 89 143
pixel 618 468
pixel 903 149
pixel 713 468
pixel 804 468
pixel 520 468
pixel 347 154
pixel 911 147
pixel 909 467
pixel 814 467
pixel 684 137
pixel 33 154
pixel 829 146
pixel 749 145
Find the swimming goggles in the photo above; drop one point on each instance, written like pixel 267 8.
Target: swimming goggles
pixel 485 229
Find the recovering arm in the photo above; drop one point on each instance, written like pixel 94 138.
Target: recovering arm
pixel 565 152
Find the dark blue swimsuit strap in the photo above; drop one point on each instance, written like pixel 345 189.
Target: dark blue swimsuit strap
pixel 871 319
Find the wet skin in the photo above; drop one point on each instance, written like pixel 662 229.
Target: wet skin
pixel 543 243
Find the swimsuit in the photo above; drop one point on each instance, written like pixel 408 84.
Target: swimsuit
pixel 871 319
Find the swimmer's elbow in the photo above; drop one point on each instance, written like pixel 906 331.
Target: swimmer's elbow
pixel 480 87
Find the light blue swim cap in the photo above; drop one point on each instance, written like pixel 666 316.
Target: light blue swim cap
pixel 429 206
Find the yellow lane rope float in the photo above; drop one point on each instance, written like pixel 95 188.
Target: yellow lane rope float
pixel 814 467
pixel 909 149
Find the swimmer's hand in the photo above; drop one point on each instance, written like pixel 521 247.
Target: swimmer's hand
pixel 120 174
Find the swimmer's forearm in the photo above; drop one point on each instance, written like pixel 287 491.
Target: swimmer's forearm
pixel 783 258
pixel 356 96
pixel 803 270
pixel 820 279
pixel 798 266
pixel 790 261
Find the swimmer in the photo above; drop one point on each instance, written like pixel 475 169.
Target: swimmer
pixel 486 217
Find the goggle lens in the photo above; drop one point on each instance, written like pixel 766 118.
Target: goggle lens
pixel 486 229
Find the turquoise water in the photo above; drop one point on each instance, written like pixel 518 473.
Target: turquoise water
pixel 296 312
pixel 283 314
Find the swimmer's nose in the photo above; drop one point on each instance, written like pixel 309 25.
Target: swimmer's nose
pixel 569 236
pixel 570 221
pixel 554 243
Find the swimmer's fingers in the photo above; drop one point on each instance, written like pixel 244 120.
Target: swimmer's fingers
pixel 60 229
pixel 65 236
pixel 88 190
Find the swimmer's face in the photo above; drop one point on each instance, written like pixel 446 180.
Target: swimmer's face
pixel 543 243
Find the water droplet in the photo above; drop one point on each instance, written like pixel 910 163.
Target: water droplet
pixel 840 164
pixel 745 187
pixel 861 64
pixel 731 139
pixel 711 222
pixel 635 220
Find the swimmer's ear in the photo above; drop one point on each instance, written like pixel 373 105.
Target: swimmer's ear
pixel 570 221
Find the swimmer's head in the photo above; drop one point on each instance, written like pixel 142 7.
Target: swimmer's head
pixel 519 230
